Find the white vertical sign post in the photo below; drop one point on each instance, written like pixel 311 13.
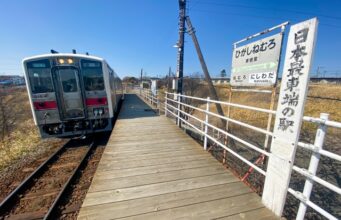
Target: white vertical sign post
pixel 291 101
pixel 153 87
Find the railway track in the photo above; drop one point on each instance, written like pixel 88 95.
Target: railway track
pixel 40 194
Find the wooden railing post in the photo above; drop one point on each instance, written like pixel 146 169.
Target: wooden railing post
pixel 206 121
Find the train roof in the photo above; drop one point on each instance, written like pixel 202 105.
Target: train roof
pixel 49 55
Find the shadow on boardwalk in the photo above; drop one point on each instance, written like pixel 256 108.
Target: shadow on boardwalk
pixel 135 107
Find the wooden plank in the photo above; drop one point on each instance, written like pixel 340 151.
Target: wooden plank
pixel 151 155
pixel 155 141
pixel 156 147
pixel 258 214
pixel 162 202
pixel 96 198
pixel 151 169
pixel 150 149
pixel 160 138
pixel 115 183
pixel 207 210
pixel 111 165
pixel 135 171
pixel 150 126
pixel 165 136
pixel 153 132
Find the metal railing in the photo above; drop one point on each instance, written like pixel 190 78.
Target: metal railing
pixel 174 104
pixel 310 173
pixel 150 97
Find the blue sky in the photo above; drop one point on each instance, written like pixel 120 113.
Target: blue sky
pixel 135 34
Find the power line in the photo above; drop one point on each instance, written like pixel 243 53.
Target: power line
pixel 262 17
pixel 271 9
pixel 192 4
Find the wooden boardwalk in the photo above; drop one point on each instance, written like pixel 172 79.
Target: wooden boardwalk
pixel 151 169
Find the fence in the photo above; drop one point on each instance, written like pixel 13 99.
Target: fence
pixel 310 174
pixel 150 97
pixel 175 104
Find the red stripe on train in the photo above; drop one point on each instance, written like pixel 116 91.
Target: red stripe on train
pixel 96 101
pixel 45 105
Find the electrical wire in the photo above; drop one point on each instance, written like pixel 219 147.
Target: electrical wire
pixel 262 17
pixel 271 9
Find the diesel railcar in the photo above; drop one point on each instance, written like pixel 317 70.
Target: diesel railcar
pixel 72 94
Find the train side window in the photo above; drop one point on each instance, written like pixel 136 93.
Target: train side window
pixel 39 73
pixel 92 75
pixel 111 78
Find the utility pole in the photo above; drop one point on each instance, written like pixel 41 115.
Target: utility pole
pixel 141 75
pixel 211 88
pixel 141 82
pixel 180 44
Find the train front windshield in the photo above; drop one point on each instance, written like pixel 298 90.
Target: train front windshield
pixel 92 75
pixel 39 73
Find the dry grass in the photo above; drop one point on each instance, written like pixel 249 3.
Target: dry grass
pixel 20 142
pixel 23 138
pixel 314 106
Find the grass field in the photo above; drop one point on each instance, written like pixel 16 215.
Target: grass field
pixel 21 139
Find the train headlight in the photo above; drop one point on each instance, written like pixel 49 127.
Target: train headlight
pixel 100 111
pixel 61 61
pixel 95 112
pixel 69 61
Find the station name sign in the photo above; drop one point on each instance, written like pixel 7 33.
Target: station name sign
pixel 256 64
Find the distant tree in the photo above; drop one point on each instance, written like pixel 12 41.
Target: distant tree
pixel 223 73
pixel 130 80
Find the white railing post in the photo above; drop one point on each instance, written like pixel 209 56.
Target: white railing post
pixel 178 113
pixel 148 95
pixel 166 109
pixel 314 161
pixel 156 100
pixel 206 121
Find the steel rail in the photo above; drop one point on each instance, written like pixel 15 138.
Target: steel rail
pixel 4 206
pixel 53 207
pixel 19 189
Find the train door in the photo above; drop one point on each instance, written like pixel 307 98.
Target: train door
pixel 69 93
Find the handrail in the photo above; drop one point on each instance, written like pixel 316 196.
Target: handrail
pixel 229 104
pixel 305 118
pixel 223 146
pixel 227 119
pixel 317 148
pixel 226 133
